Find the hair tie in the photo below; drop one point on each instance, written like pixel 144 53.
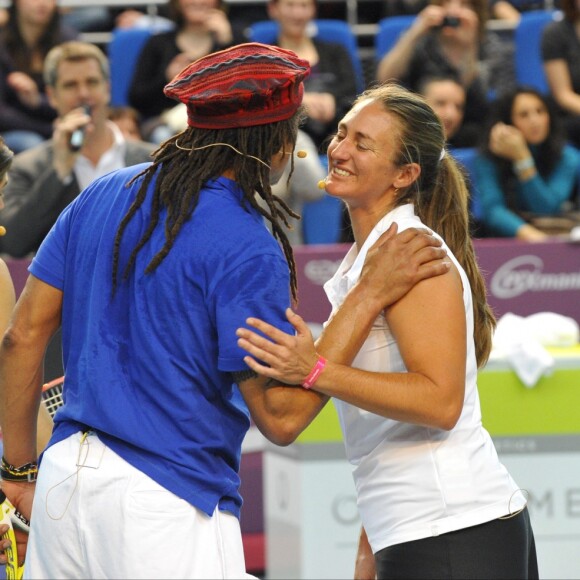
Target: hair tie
pixel 442 155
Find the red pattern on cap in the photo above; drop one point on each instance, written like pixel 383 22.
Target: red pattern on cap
pixel 245 85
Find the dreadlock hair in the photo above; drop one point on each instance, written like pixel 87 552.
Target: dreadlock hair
pixel 439 194
pixel 183 171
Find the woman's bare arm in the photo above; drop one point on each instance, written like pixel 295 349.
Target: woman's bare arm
pixel 429 326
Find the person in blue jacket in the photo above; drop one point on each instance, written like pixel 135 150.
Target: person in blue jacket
pixel 525 170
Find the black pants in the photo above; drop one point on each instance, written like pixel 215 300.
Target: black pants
pixel 502 548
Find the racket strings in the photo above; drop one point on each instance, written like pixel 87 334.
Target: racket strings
pixel 52 398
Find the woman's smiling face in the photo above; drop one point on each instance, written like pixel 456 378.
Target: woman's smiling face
pixel 361 156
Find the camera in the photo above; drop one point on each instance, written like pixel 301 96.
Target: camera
pixel 450 21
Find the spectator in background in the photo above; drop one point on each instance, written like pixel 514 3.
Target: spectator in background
pixel 446 96
pixel 128 121
pixel 449 38
pixel 331 87
pixel 561 56
pixel 525 170
pixel 33 28
pixel 303 186
pixel 202 27
pixel 45 179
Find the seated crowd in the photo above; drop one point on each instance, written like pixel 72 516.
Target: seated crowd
pixel 524 164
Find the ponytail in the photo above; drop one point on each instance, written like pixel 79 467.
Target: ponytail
pixel 440 194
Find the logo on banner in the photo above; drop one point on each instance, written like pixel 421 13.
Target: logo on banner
pixel 320 271
pixel 525 274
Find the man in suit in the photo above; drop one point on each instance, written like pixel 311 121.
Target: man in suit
pixel 46 178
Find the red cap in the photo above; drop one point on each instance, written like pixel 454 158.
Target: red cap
pixel 245 85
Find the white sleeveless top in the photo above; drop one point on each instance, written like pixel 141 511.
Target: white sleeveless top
pixel 413 482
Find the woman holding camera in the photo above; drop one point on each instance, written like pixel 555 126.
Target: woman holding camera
pixel 449 38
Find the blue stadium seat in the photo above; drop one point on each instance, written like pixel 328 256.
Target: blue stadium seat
pixel 527 45
pixel 322 221
pixel 123 50
pixel 328 30
pixel 389 30
pixel 466 157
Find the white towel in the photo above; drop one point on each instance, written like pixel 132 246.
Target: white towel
pixel 522 341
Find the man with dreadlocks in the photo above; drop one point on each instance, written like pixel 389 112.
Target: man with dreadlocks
pixel 151 270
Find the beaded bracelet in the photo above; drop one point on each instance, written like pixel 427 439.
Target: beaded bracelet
pixel 27 472
pixel 314 373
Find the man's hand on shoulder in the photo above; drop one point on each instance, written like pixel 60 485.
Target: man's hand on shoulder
pixel 398 261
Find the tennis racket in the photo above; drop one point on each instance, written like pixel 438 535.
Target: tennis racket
pixel 14 519
pixel 52 395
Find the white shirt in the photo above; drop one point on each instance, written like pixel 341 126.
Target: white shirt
pixel 112 159
pixel 414 482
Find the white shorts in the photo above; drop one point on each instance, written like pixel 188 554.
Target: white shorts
pixel 107 519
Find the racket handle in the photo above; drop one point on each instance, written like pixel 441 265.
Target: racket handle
pixel 8 512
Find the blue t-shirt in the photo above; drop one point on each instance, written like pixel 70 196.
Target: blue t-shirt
pixel 149 368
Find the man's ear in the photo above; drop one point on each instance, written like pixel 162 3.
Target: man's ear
pixel 50 96
pixel 408 174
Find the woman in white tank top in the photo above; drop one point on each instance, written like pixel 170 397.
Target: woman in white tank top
pixel 434 499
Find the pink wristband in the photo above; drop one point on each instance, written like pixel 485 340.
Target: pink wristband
pixel 314 373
